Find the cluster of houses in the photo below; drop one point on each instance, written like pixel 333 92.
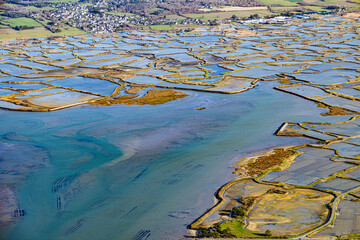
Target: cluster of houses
pixel 97 18
pixel 274 20
pixel 80 16
pixel 99 21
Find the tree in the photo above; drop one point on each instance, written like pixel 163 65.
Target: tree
pixel 254 16
pixel 268 233
pixel 238 212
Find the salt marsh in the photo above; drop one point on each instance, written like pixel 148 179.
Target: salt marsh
pixel 128 136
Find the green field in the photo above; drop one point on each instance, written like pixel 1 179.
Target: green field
pixel 43 21
pixel 224 15
pixel 9 33
pixel 156 9
pixel 62 1
pixel 293 9
pixel 36 8
pixel 282 2
pixel 180 26
pixel 310 3
pixel 120 13
pixel 67 30
pixel 174 16
pixel 237 228
pixel 23 21
pixel 31 8
pixel 340 3
pixel 161 27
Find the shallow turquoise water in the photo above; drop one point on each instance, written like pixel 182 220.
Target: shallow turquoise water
pixel 131 172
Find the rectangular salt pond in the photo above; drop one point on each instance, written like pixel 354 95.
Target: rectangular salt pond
pixel 343 102
pixel 337 45
pixel 10 59
pixel 62 99
pixel 129 47
pixel 232 85
pixel 263 71
pixel 92 85
pixel 144 63
pixel 23 86
pixel 216 68
pixel 4 92
pixel 4 51
pixel 308 167
pixel 102 45
pixel 184 74
pixel 234 54
pixel 326 66
pixel 79 44
pixel 156 72
pixel 67 62
pixel 207 81
pixel 182 57
pixel 346 129
pixel 18 79
pixel 40 66
pixel 88 52
pixel 183 86
pixel 172 44
pixel 301 58
pixel 347 91
pixel 102 57
pixel 9 105
pixel 354 174
pixel 354 140
pixel 258 60
pixel 318 135
pixel 338 184
pixel 195 39
pixel 325 78
pixel 307 91
pixel 165 51
pixel 346 221
pixel 233 66
pixel 143 80
pixel 41 93
pixel 60 55
pixel 111 62
pixel 345 149
pixel 183 78
pixel 15 70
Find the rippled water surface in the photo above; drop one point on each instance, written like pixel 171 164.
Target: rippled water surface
pixel 124 172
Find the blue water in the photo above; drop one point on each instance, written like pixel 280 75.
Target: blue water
pixel 125 171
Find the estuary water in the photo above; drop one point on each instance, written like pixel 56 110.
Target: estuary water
pixel 134 172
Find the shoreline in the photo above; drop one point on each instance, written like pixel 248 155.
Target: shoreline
pixel 221 190
pixel 244 162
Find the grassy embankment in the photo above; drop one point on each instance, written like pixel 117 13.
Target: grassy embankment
pixel 237 228
pixel 9 33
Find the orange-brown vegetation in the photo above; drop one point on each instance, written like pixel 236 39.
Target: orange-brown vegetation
pixel 265 162
pixel 153 97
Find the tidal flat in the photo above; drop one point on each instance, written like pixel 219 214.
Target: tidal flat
pixel 129 136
